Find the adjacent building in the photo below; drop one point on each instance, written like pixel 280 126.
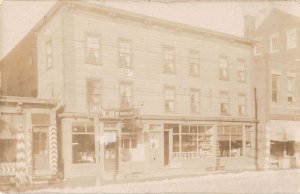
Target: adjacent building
pixel 277 62
pixel 138 94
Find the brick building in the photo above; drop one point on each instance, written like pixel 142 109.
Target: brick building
pixel 141 94
pixel 276 57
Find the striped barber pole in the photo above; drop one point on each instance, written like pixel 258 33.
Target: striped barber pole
pixel 7 169
pixel 28 153
pixel 53 148
pixel 267 148
pixel 21 159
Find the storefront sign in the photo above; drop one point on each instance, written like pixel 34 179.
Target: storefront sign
pixel 97 110
pixel 127 113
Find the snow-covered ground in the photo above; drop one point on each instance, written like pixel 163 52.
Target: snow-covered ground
pixel 283 181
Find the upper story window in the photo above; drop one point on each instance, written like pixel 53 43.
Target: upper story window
pixel 291 89
pixel 169 99
pixel 92 49
pixel 125 95
pixel 224 103
pixel 258 46
pixel 195 101
pixel 274 42
pixel 241 73
pixel 275 84
pixel 242 104
pixel 125 53
pixel 49 54
pixel 291 39
pixel 93 92
pixel 169 63
pixel 223 65
pixel 194 62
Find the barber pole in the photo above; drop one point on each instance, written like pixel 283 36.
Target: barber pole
pixel 53 148
pixel 21 159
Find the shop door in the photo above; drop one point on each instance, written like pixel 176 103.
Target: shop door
pixel 155 150
pixel 110 150
pixel 166 148
pixel 40 139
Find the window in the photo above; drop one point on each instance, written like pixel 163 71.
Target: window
pixel 92 49
pixel 125 95
pixel 258 46
pixel 194 63
pixel 242 104
pixel 93 92
pixel 130 138
pixel 8 151
pixel 291 89
pixel 223 62
pixel 291 38
pixel 49 54
pixel 195 101
pixel 274 42
pixel 125 53
pixel 129 141
pixel 169 66
pixel 241 71
pixel 192 141
pixel 83 143
pixel 275 90
pixel 169 99
pixel 250 147
pixel 224 103
pixel 230 141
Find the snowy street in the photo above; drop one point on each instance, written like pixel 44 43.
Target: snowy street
pixel 281 181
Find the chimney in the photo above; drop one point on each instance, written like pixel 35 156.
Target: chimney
pixel 249 26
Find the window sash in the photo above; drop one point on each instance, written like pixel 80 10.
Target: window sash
pixel 274 88
pixel 292 38
pixel 94 91
pixel 241 71
pixel 169 60
pixel 125 53
pixel 274 42
pixel 223 65
pixel 195 101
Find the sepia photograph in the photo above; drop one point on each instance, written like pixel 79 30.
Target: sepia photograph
pixel 149 96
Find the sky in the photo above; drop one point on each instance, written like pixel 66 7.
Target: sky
pixel 17 18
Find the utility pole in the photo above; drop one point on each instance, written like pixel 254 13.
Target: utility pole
pixel 256 129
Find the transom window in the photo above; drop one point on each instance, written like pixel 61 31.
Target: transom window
pixel 291 39
pixel 223 63
pixel 125 95
pixel 169 64
pixel 230 141
pixel 125 53
pixel 194 62
pixel 274 42
pixel 169 99
pixel 92 49
pixel 224 103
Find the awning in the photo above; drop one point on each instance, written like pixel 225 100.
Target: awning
pixel 285 130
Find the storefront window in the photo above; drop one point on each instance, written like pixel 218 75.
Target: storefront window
pixel 281 149
pixel 192 141
pixel 8 150
pixel 230 140
pixel 83 143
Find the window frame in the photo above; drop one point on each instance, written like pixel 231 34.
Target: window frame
pixel 193 90
pixel 49 55
pixel 242 105
pixel 224 103
pixel 99 50
pixel 173 88
pixel 192 63
pixel 165 49
pixel 120 53
pixel 241 62
pixel 274 36
pixel 290 45
pixel 221 68
pixel 275 89
pixel 127 83
pixel 291 93
pixel 258 47
pixel 91 95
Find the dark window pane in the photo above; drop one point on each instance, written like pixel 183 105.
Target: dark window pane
pixel 78 128
pixel 8 150
pixel 176 143
pixel 224 145
pixel 185 129
pixel 236 146
pixel 189 143
pixel 193 129
pixel 83 148
pixel 201 129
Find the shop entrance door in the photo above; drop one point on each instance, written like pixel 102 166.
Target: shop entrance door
pixel 40 139
pixel 110 150
pixel 166 148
